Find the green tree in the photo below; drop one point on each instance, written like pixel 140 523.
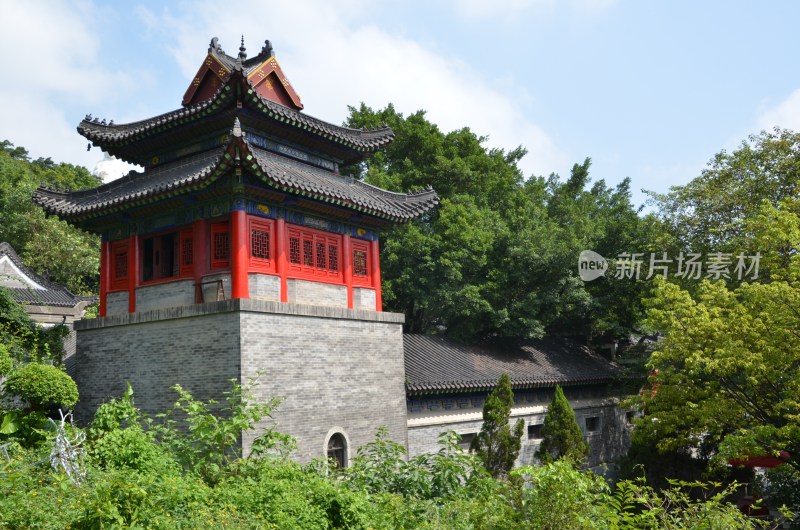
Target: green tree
pixel 562 436
pixel 709 214
pixel 727 373
pixel 50 247
pixel 497 444
pixel 499 255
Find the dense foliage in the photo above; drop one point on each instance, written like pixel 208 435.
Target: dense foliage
pixel 136 478
pixel 50 247
pixel 498 257
pixel 562 437
pixel 22 340
pixel 41 387
pixel 497 444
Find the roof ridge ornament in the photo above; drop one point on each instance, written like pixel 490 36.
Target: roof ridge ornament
pixel 267 49
pixel 237 128
pixel 214 46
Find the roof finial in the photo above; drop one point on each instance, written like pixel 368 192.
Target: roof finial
pixel 242 51
pixel 267 49
pixel 214 46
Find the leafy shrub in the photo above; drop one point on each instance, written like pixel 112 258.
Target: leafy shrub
pixel 557 495
pixel 783 489
pixel 6 364
pixel 42 386
pixel 129 448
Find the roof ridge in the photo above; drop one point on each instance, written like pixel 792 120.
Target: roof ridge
pixel 7 250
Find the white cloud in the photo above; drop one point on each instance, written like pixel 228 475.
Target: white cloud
pixel 785 114
pixel 334 59
pixel 503 9
pixel 51 56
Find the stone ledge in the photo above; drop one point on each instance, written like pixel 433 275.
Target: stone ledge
pixel 246 305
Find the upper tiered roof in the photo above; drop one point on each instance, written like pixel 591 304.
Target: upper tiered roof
pixel 243 113
pixel 256 91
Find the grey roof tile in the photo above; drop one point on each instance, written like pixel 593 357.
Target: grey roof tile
pixel 109 134
pixel 436 364
pixel 51 295
pixel 131 187
pixel 279 171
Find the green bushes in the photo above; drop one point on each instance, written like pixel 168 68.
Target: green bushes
pixel 166 473
pixel 42 386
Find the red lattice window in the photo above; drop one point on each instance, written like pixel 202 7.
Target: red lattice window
pixel 187 252
pixel 261 241
pixel 333 258
pixel 322 263
pixel 119 265
pixel 314 254
pixel 361 263
pixel 220 246
pixel 294 250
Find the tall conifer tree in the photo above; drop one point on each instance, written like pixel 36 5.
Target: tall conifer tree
pixel 563 437
pixel 497 445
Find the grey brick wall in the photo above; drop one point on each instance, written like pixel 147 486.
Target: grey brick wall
pixel 608 443
pixel 161 295
pixel 264 287
pixel 315 293
pixel 201 353
pixel 117 303
pixel 364 298
pixel 337 369
pixel 331 372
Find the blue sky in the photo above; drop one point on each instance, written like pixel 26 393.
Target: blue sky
pixel 648 90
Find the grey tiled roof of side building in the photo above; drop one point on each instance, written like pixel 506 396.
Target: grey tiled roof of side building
pixel 436 365
pixel 51 295
pixel 288 174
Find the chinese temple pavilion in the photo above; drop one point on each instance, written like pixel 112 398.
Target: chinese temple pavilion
pixel 241 197
pixel 243 248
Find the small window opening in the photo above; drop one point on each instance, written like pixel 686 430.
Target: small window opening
pixel 465 440
pixel 535 432
pixel 337 450
pixel 592 424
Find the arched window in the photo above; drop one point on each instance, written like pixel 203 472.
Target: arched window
pixel 337 449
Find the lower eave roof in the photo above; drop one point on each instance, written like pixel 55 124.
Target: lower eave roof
pixel 436 365
pixel 278 172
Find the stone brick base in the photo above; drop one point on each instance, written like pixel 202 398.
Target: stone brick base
pixel 337 370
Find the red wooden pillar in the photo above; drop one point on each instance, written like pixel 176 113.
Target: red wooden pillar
pixel 240 287
pixel 200 259
pixel 348 269
pixel 133 271
pixel 105 274
pixel 281 262
pixel 376 273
